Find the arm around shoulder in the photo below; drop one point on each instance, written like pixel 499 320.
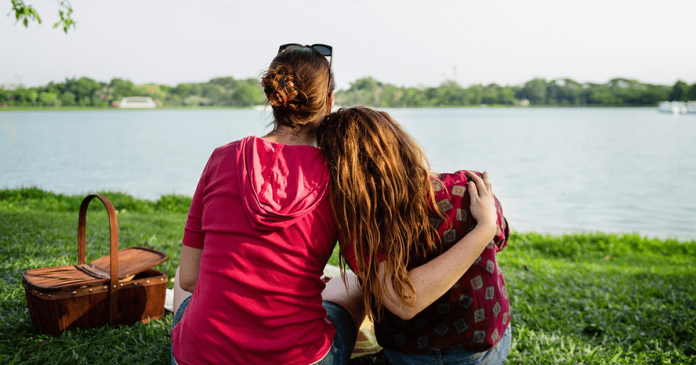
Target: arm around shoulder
pixel 434 278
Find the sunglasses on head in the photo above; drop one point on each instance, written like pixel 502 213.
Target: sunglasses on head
pixel 323 49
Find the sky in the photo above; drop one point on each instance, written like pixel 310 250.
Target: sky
pixel 406 42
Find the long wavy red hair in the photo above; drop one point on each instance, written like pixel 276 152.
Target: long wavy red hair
pixel 382 198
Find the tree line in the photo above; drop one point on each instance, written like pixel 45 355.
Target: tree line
pixel 228 91
pixel 85 92
pixel 559 92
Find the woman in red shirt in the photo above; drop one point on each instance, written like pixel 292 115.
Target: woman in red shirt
pixel 259 233
pixel 433 299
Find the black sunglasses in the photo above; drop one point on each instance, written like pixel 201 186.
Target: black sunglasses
pixel 323 49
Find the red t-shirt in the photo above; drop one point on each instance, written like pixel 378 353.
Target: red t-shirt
pixel 261 216
pixel 475 312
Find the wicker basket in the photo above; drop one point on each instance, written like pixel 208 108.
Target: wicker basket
pixel 94 294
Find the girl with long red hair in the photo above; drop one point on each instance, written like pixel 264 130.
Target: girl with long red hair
pixel 423 245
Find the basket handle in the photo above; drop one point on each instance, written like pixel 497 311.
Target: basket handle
pixel 113 230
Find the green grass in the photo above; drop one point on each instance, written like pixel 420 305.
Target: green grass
pixel 588 298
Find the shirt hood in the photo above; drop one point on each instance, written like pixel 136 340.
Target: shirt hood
pixel 280 184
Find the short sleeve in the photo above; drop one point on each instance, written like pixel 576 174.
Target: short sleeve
pixel 193 231
pixel 503 232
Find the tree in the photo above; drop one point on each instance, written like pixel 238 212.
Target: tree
pixel 507 96
pixel 26 13
pixel 679 91
pixel 654 93
pixel 121 88
pixel 691 95
pixel 67 98
pixel 33 95
pixel 247 95
pixel 48 99
pixel 534 91
pixel 475 95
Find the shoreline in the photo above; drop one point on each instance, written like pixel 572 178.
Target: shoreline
pixel 494 106
pixel 32 199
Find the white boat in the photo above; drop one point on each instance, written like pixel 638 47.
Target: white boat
pixel 137 102
pixel 691 106
pixel 676 107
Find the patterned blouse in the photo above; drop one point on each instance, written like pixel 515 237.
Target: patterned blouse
pixel 475 312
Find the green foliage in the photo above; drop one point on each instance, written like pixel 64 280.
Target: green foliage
pixel 228 91
pixel 26 13
pixel 534 91
pixel 29 199
pixel 590 298
pixel 65 11
pixel 67 98
pixel 680 91
pixel 560 92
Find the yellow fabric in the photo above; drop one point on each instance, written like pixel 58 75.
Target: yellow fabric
pixel 366 343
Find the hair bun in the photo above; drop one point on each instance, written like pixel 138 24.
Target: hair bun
pixel 296 85
pixel 279 86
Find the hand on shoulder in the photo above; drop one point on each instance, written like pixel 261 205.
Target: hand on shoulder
pixel 482 203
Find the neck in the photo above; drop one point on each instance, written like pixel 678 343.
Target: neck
pixel 285 135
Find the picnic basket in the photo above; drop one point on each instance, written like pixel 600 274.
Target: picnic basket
pixel 118 289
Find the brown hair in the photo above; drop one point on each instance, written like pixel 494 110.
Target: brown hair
pixel 382 198
pixel 297 87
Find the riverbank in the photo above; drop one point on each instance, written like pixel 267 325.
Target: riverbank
pixel 93 108
pixel 591 298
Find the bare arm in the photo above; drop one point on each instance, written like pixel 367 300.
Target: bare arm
pixel 434 278
pixel 188 267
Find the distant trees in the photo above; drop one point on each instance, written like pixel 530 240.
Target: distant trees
pixel 228 91
pixel 86 92
pixel 539 91
pixel 680 91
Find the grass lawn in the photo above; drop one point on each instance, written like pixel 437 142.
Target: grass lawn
pixel 589 298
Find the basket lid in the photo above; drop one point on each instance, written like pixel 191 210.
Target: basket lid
pixel 131 261
pixel 61 277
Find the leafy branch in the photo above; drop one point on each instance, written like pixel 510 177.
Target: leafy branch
pixel 26 13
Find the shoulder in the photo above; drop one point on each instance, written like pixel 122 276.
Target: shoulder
pixel 232 148
pixel 449 182
pixel 222 154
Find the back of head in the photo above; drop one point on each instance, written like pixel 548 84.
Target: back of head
pixel 382 196
pixel 297 87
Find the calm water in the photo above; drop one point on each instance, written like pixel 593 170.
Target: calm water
pixel 554 170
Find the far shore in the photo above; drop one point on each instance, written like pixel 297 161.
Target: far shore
pixel 496 106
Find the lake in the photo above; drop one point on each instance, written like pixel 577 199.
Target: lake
pixel 554 169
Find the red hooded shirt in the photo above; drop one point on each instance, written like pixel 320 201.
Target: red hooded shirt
pixel 261 216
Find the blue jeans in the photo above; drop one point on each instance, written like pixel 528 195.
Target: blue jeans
pixel 177 318
pixel 346 335
pixel 495 356
pixel 343 342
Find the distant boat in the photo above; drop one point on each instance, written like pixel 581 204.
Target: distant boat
pixel 691 106
pixel 137 102
pixel 677 107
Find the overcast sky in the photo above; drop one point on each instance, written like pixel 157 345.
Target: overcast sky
pixel 406 42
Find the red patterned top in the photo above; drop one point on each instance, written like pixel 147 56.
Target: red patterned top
pixel 475 312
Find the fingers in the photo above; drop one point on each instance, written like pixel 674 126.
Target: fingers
pixel 479 183
pixel 488 183
pixel 473 191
